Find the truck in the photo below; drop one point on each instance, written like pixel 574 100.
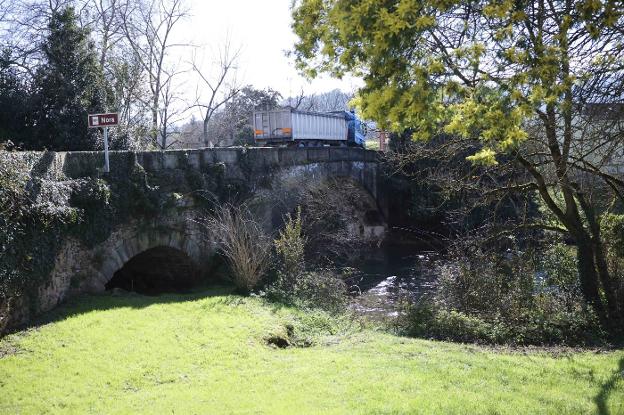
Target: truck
pixel 291 127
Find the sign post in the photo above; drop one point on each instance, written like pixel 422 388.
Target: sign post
pixel 106 163
pixel 104 121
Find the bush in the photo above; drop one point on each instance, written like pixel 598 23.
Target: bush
pixel 537 326
pixel 613 236
pixel 560 269
pixel 516 298
pixel 243 243
pixel 426 319
pixel 320 289
pixel 294 284
pixel 290 246
pixel 486 284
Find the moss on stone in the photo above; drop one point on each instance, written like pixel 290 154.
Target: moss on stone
pixel 39 214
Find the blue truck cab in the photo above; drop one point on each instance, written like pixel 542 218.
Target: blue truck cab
pixel 356 134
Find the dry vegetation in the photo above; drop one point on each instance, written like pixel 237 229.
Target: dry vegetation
pixel 243 242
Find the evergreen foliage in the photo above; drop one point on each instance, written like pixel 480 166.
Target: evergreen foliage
pixel 68 87
pixel 13 102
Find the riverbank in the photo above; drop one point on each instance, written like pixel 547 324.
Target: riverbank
pixel 212 352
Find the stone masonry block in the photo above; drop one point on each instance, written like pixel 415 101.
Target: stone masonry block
pixel 171 159
pixel 192 158
pixel 206 156
pixel 356 154
pixel 338 154
pixel 226 155
pixel 260 158
pixel 318 154
pixel 292 156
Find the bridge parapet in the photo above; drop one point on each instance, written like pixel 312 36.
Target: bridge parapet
pixel 88 164
pixel 79 164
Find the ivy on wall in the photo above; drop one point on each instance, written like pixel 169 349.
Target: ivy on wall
pixel 38 211
pixel 32 217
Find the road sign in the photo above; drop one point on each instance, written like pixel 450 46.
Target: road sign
pixel 103 120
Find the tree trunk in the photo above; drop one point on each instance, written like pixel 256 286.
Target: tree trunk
pixel 609 288
pixel 206 142
pixel 155 122
pixel 594 238
pixel 589 275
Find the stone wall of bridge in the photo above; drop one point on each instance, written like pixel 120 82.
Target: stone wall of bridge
pixel 158 199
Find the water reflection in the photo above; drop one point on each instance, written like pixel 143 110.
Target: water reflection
pixel 388 276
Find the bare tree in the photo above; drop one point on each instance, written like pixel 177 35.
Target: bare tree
pixel 335 100
pixel 295 102
pixel 5 6
pixel 131 97
pixel 148 27
pixel 220 80
pixel 103 17
pixel 172 109
pixel 23 26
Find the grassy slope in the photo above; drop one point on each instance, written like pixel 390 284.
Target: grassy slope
pixel 195 354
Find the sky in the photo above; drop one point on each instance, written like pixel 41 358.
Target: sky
pixel 261 28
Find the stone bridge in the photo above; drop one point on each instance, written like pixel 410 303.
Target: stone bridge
pixel 152 203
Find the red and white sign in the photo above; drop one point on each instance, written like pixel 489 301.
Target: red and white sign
pixel 103 120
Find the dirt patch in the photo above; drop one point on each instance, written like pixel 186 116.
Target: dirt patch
pixel 280 342
pixel 9 349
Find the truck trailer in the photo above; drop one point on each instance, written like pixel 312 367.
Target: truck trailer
pixel 291 127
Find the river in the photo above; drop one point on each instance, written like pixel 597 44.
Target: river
pixel 390 275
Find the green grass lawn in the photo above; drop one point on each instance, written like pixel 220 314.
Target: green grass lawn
pixel 207 353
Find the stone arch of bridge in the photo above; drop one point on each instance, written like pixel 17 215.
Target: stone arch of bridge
pixel 158 270
pixel 169 240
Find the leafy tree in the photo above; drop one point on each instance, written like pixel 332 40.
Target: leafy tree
pixel 539 81
pixel 67 87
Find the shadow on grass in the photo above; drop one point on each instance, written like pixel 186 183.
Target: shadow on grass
pixel 86 303
pixel 606 389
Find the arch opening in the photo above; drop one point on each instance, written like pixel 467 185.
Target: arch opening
pixel 156 271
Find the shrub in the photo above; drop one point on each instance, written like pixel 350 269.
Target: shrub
pixel 486 284
pixel 290 245
pixel 322 289
pixel 295 285
pixel 426 319
pixel 537 326
pixel 560 269
pixel 613 236
pixel 516 298
pixel 243 243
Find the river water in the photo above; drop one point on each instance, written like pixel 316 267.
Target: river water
pixel 391 275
